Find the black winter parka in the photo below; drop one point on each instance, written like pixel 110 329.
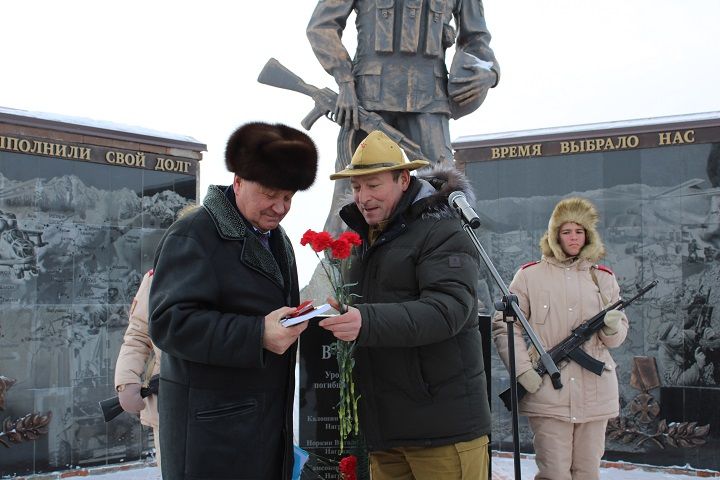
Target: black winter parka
pixel 419 364
pixel 225 402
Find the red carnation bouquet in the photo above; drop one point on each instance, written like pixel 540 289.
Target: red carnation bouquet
pixel 337 250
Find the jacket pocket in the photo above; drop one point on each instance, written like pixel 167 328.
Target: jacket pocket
pixel 224 435
pixel 369 81
pixel 443 371
pixel 384 23
pixel 599 390
pixel 409 38
pixel 606 393
pixel 224 411
pixel 435 22
pixel 397 372
pixel 420 387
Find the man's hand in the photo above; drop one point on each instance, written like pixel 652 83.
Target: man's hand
pixel 130 399
pixel 612 322
pixel 277 338
pixel 346 326
pixel 530 380
pixel 467 88
pixel 346 107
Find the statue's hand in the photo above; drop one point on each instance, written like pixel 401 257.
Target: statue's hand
pixel 467 88
pixel 346 107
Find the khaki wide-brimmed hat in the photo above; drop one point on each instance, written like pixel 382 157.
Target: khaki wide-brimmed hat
pixel 377 153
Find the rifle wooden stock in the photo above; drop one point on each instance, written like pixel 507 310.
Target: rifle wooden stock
pixel 569 348
pixel 111 406
pixel 276 74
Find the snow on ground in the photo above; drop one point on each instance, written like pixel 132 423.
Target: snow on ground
pixel 145 473
pixel 502 469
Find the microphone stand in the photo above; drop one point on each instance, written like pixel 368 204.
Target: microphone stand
pixel 511 311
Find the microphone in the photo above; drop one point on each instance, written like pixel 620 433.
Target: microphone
pixel 458 201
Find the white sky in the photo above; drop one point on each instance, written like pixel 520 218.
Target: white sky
pixel 190 67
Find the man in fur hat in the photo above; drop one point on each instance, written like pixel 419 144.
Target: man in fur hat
pixel 556 294
pixel 423 400
pixel 225 275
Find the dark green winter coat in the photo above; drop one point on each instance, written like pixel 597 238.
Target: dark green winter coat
pixel 225 402
pixel 419 365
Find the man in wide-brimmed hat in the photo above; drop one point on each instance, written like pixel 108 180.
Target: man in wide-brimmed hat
pixel 423 400
pixel 225 275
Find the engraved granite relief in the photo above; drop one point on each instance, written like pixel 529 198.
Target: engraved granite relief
pixel 75 239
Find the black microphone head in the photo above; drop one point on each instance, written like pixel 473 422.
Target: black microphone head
pixel 458 201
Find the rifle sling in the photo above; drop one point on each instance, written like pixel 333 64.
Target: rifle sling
pixel 595 280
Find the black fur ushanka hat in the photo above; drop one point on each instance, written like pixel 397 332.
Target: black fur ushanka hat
pixel 276 156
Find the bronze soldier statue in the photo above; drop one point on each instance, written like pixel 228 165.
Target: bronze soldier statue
pixel 399 68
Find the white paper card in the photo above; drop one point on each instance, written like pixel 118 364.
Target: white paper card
pixel 288 322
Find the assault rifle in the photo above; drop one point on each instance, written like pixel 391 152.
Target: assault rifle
pixel 570 348
pixel 111 406
pixel 276 74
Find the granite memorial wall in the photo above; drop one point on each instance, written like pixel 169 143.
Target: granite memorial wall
pixel 655 184
pixel 82 208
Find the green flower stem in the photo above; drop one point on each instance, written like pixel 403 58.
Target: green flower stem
pixel 348 404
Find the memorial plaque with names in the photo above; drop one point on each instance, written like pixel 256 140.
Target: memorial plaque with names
pixel 319 395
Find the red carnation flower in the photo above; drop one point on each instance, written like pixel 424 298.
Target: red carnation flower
pixel 340 249
pixel 307 237
pixel 321 241
pixel 352 237
pixel 348 467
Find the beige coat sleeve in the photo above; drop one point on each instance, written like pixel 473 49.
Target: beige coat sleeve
pixel 499 329
pixel 136 351
pixel 137 346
